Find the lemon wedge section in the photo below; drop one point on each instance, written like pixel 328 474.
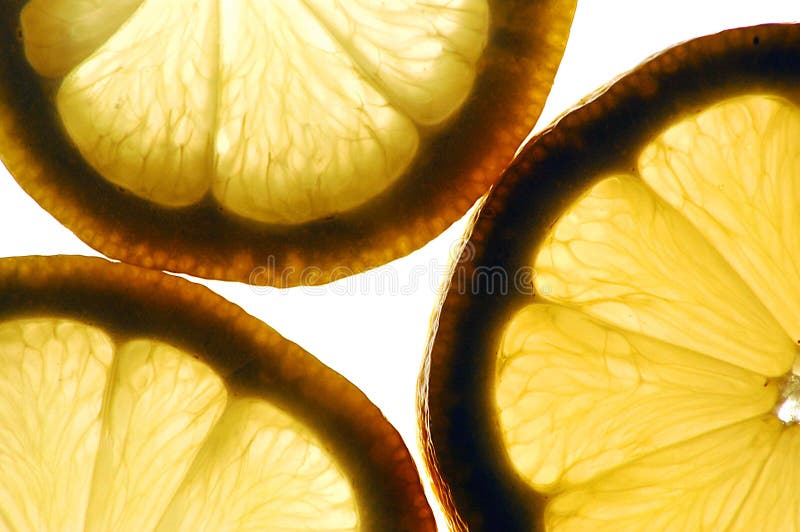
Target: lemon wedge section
pixel 578 397
pixel 160 406
pixel 141 108
pixel 272 476
pixel 59 34
pixel 52 380
pixel 423 55
pixel 623 255
pixel 652 382
pixel 772 503
pixel 696 485
pixel 288 111
pixel 302 131
pixel 141 436
pixel 734 172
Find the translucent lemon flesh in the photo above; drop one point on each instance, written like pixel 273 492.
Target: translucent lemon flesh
pixel 285 110
pixel 143 436
pixel 652 384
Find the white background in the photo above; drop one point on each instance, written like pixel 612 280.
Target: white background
pixel 373 328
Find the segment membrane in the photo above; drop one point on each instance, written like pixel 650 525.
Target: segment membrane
pixel 141 109
pixel 59 34
pixel 161 406
pixel 623 255
pixel 696 485
pixel 52 379
pixel 261 470
pixel 577 397
pixel 734 172
pixel 302 133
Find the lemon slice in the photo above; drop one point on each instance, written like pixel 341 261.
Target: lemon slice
pixel 272 126
pixel 119 415
pixel 641 370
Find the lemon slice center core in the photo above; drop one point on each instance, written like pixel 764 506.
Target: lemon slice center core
pixel 788 406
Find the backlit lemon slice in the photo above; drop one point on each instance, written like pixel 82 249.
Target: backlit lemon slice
pixel 640 372
pixel 284 118
pixel 134 401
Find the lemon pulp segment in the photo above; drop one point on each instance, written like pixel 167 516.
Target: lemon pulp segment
pixel 140 109
pixel 569 378
pixel 287 111
pixel 698 484
pixel 623 255
pixel 735 174
pixel 50 432
pixel 651 384
pixel 235 482
pixel 61 33
pixel 143 436
pixel 159 400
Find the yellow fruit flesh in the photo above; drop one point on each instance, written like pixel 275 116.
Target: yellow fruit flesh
pixel 286 111
pixel 624 256
pixel 142 436
pixel 735 175
pixel 650 385
pixel 160 404
pixel 59 34
pixel 579 397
